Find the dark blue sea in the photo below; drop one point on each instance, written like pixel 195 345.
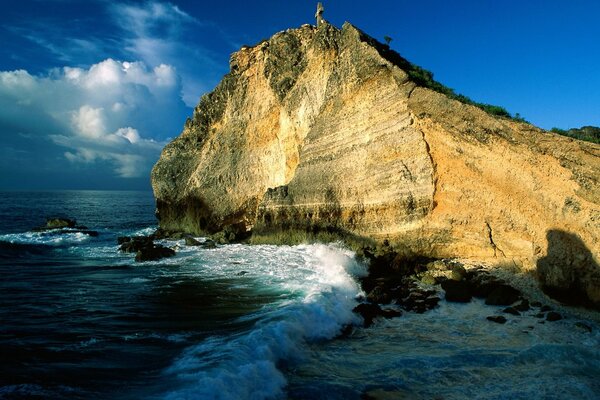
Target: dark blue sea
pixel 80 320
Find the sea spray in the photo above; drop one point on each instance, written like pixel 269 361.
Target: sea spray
pixel 249 364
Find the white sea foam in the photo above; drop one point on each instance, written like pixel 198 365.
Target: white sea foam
pixel 48 238
pixel 245 365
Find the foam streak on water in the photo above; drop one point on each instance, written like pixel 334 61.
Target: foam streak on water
pixel 317 297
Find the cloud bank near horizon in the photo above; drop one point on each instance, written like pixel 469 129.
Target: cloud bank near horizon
pixel 95 124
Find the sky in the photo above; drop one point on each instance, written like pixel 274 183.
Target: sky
pixel 90 91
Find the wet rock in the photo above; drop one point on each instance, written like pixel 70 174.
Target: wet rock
pixel 368 312
pixel 583 326
pixel 483 284
pixel 389 313
pixel 123 239
pixel 511 310
pixel 457 291
pixel 64 225
pixel 208 244
pixel 499 319
pixel 55 223
pixel 536 304
pixel 135 243
pixel 523 306
pixel 190 241
pixel 553 316
pixel 545 308
pixel 458 272
pixel 379 295
pixel 428 279
pixel 503 295
pixel 540 315
pixel 153 253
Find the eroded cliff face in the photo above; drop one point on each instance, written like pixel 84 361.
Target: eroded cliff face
pixel 316 129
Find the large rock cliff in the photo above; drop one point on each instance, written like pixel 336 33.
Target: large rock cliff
pixel 322 129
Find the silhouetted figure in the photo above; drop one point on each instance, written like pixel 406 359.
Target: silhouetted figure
pixel 569 273
pixel 319 14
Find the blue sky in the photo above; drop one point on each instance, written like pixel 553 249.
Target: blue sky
pixel 90 91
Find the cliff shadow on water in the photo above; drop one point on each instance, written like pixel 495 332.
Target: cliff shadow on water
pixel 569 272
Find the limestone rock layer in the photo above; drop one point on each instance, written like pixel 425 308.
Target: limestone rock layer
pixel 318 129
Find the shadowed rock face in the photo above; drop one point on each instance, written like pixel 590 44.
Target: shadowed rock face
pixel 568 272
pixel 314 129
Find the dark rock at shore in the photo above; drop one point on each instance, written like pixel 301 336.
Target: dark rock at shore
pixel 523 306
pixel 153 253
pixel 144 247
pixel 583 326
pixel 135 243
pixel 207 244
pixel 553 316
pixel 190 241
pixel 64 225
pixel 503 295
pixel 379 295
pixel 499 319
pixel 545 308
pixel 457 291
pixel 369 312
pixel 483 284
pixel 54 223
pixel 511 310
pixel 536 304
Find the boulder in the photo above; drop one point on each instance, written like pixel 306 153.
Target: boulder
pixel 499 319
pixel 553 316
pixel 55 223
pixel 64 225
pixel 523 306
pixel 457 291
pixel 511 310
pixel 153 253
pixel 503 295
pixel 190 241
pixel 370 311
pixel 135 243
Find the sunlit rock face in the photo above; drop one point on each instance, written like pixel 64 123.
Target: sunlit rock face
pixel 321 129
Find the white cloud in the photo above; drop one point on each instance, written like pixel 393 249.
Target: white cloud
pixel 115 112
pixel 88 122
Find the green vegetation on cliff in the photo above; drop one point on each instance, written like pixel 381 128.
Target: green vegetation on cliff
pixel 587 133
pixel 424 78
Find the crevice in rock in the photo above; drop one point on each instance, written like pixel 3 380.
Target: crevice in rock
pixel 411 91
pixel 434 177
pixel 492 243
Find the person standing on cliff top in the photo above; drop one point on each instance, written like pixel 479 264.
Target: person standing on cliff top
pixel 319 14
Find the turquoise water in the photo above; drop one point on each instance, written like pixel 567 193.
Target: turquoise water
pixel 78 319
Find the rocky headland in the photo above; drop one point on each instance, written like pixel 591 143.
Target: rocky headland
pixel 325 133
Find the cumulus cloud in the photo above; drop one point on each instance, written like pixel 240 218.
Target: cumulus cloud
pixel 115 113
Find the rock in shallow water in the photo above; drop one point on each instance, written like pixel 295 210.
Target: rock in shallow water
pixel 63 226
pixel 553 316
pixel 457 291
pixel 499 319
pixel 503 295
pixel 153 253
pixel 370 311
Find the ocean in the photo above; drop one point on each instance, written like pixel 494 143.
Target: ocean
pixel 80 320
